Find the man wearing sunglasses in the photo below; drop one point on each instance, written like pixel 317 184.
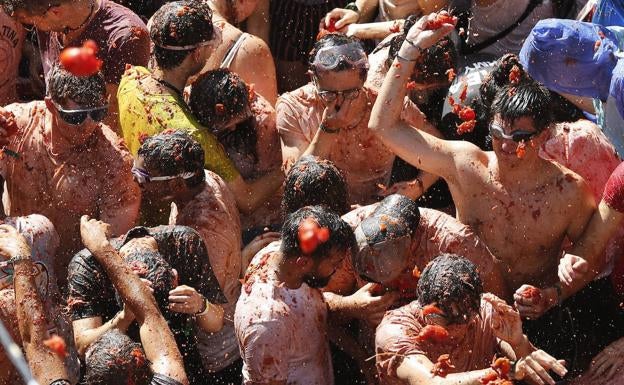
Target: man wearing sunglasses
pixel 120 35
pixel 328 118
pixel 520 205
pixel 62 161
pixel 479 326
pixel 177 190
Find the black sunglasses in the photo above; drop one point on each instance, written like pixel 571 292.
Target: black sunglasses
pixel 76 117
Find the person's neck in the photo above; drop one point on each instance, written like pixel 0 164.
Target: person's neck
pixel 175 77
pixel 182 199
pixel 79 19
pixel 525 174
pixel 220 9
pixel 59 144
pixel 287 271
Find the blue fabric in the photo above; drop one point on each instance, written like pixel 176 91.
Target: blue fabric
pixel 564 56
pixel 609 12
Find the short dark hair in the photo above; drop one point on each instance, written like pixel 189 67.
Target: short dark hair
pixel 450 279
pixel 88 91
pixel 172 153
pixel 335 40
pixel 395 217
pixel 180 23
pixel 218 87
pixel 526 99
pixel 433 64
pixel 315 181
pixel 114 359
pixel 151 265
pixel 341 238
pixel 32 7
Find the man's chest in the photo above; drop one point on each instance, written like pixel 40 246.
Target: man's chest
pixel 69 184
pixel 523 222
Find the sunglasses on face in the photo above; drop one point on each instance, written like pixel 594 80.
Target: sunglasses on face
pixel 76 117
pixel 141 176
pixel 517 136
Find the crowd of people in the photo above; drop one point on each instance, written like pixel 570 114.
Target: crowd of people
pixel 303 192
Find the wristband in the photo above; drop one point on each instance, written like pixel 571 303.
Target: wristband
pixel 328 130
pixel 18 258
pixel 353 7
pixel 559 293
pixel 205 311
pixel 419 48
pixel 398 56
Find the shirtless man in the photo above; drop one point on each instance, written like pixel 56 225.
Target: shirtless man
pixel 65 162
pixel 502 195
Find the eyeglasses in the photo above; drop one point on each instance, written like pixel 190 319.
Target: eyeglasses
pixel 328 58
pixel 141 176
pixel 330 96
pixel 517 136
pixel 76 117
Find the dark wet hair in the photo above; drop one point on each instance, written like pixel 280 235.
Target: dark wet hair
pixel 172 153
pixel 151 265
pixel 114 359
pixel 315 181
pixel 218 96
pixel 180 23
pixel 450 279
pixel 395 217
pixel 336 40
pixel 32 7
pixel 432 65
pixel 527 99
pixel 341 236
pixel 87 91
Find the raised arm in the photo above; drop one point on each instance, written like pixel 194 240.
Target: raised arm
pixel 46 366
pixel 158 342
pixel 414 146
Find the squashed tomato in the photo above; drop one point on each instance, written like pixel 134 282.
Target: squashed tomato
pixel 81 61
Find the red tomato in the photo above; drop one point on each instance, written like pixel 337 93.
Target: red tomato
pixel 514 75
pixel 81 61
pixel 57 345
pixel 530 292
pixel 308 241
pixel 332 25
pixel 502 366
pixel 441 19
pixel 466 127
pixel 433 333
pixel 431 309
pixel 322 234
pixel 467 113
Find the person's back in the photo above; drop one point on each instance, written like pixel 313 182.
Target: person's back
pixel 148 107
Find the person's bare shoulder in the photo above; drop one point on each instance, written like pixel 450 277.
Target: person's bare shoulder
pixel 569 184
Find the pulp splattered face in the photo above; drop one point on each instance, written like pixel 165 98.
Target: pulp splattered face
pixel 323 270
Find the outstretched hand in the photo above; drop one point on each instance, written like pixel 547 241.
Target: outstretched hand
pixel 372 307
pixel 423 35
pixel 572 268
